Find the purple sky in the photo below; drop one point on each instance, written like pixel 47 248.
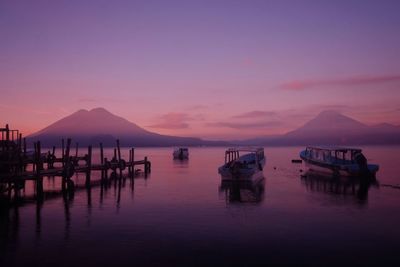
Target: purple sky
pixel 214 69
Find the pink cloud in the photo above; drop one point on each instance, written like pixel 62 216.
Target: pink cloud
pixel 350 81
pixel 254 114
pixel 173 120
pixel 86 99
pixel 247 62
pixel 252 125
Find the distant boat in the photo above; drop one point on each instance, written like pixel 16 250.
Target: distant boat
pixel 338 161
pixel 181 153
pixel 243 166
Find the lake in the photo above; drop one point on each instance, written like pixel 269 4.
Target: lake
pixel 182 215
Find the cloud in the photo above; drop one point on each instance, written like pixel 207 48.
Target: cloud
pixel 252 125
pixel 86 99
pixel 170 126
pixel 350 81
pixel 247 62
pixel 197 107
pixel 27 110
pixel 254 114
pixel 173 120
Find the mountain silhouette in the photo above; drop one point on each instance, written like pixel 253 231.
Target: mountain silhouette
pixel 99 125
pixel 334 128
pixel 329 121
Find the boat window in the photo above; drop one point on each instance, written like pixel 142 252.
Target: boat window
pixel 320 155
pixel 348 156
pixel 327 155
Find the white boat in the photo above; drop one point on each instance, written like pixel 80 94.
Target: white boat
pixel 243 164
pixel 181 153
pixel 338 161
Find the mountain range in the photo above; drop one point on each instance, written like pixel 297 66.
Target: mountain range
pixel 333 128
pixel 99 125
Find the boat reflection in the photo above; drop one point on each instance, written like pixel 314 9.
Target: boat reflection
pixel 181 163
pixel 345 186
pixel 243 191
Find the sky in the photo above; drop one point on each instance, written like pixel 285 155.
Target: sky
pixel 211 69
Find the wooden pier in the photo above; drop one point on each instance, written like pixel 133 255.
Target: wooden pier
pixel 18 165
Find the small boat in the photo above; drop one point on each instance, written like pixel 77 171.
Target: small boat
pixel 338 161
pixel 181 153
pixel 243 163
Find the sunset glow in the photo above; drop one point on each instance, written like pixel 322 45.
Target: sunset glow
pixel 206 69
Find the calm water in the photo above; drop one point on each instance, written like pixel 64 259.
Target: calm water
pixel 182 215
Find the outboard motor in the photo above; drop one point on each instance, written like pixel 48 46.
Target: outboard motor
pixel 361 161
pixel 235 168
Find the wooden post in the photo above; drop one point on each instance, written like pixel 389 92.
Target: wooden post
pixel 66 164
pixel 7 133
pixel 101 154
pixel 39 167
pixel 119 150
pixel 7 137
pixel 119 158
pixel 89 166
pixel 105 168
pixel 63 152
pixel 145 167
pixel 102 161
pixel 133 161
pixel 20 143
pixel 130 163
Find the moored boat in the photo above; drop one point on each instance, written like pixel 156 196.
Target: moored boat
pixel 338 161
pixel 243 163
pixel 181 153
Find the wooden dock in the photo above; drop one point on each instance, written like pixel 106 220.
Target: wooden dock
pixel 18 165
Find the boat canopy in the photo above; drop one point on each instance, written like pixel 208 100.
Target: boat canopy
pixel 334 148
pixel 245 149
pixel 181 149
pixel 325 153
pixel 232 154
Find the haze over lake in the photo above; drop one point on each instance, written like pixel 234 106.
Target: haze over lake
pixel 182 215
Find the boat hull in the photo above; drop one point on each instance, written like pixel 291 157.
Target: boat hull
pixel 253 173
pixel 178 155
pixel 347 170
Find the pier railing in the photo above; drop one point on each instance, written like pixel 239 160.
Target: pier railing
pixel 18 165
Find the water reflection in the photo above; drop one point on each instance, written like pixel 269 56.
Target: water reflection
pixel 345 186
pixel 181 163
pixel 9 208
pixel 243 191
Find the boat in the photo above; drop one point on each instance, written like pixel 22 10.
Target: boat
pixel 243 163
pixel 338 161
pixel 181 153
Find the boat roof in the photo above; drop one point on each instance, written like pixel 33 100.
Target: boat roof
pixel 245 149
pixel 334 148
